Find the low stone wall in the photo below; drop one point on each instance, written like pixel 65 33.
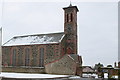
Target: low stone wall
pixel 64 66
pixel 23 69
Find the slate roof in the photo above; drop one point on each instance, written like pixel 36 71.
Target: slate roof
pixel 35 39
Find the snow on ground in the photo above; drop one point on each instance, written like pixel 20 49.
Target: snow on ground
pixel 0 75
pixel 105 75
pixel 116 77
pixel 27 75
pixel 74 77
pixel 90 75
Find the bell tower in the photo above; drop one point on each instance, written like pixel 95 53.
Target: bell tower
pixel 70 28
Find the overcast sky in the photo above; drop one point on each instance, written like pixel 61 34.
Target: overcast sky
pixel 97 25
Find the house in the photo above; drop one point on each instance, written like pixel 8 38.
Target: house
pixel 113 72
pixel 54 53
pixel 88 69
pixel 88 72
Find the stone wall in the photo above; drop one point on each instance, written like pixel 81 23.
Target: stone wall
pixel 55 59
pixel 51 53
pixel 65 65
pixel 23 69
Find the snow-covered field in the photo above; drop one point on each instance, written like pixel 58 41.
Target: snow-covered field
pixel 26 75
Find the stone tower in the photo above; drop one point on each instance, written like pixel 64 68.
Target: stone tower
pixel 70 28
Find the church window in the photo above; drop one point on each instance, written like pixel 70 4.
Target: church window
pixel 14 57
pixel 67 17
pixel 19 58
pixel 27 56
pixel 41 57
pixel 71 17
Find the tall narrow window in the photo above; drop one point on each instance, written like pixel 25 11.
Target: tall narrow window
pixel 67 17
pixel 41 59
pixel 27 56
pixel 20 59
pixel 71 17
pixel 14 57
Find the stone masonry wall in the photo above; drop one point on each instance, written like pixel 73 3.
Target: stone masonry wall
pixel 23 69
pixel 51 53
pixel 65 65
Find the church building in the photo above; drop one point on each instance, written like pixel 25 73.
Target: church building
pixel 54 53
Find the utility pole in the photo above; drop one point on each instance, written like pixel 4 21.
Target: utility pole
pixel 119 70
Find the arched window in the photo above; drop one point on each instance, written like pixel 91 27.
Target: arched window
pixel 41 57
pixel 14 57
pixel 19 63
pixel 67 18
pixel 27 56
pixel 71 17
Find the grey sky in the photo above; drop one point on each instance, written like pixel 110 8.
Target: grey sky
pixel 97 25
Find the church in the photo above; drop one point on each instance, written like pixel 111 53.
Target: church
pixel 54 53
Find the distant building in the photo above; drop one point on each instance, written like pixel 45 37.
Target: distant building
pixel 88 69
pixel 113 72
pixel 88 72
pixel 54 53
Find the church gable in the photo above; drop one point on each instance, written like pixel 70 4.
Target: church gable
pixel 35 39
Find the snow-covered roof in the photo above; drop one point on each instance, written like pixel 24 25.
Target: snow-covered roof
pixel 35 39
pixel 87 69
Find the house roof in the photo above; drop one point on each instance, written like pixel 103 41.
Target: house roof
pixel 87 69
pixel 35 39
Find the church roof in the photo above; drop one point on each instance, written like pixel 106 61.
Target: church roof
pixel 35 39
pixel 76 58
pixel 70 6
